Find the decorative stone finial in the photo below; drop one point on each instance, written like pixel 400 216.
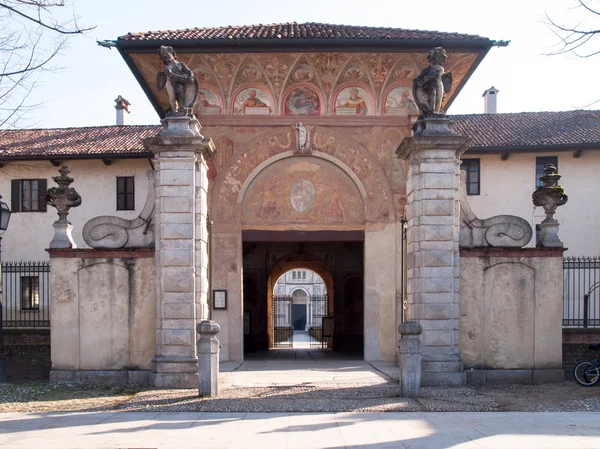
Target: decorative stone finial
pixel 63 198
pixel 122 103
pixel 549 196
pixel 180 81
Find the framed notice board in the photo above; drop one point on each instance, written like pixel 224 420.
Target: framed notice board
pixel 219 299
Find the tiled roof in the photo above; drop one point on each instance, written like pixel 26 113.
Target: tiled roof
pixel 294 31
pixel 527 129
pixel 93 141
pixel 488 131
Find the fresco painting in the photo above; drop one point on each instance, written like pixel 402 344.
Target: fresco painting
pixel 353 100
pixel 400 101
pixel 302 101
pixel 252 101
pixel 208 103
pixel 289 190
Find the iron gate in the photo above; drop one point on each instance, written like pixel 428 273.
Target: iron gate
pixel 319 333
pixel 283 330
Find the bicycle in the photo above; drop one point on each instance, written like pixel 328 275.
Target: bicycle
pixel 587 373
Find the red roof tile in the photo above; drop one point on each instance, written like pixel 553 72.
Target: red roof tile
pixel 528 129
pixel 90 141
pixel 488 131
pixel 294 31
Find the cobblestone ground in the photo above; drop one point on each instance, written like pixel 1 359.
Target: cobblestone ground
pixel 37 397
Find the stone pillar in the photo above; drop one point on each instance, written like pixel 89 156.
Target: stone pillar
pixel 208 358
pixel 409 349
pixel 433 215
pixel 180 154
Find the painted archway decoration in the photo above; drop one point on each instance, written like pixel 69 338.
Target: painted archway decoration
pixel 347 154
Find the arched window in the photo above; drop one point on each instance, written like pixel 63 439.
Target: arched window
pixel 304 275
pixel 293 275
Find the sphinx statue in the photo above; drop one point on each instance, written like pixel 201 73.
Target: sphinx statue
pixel 180 81
pixel 504 231
pixel 110 232
pixel 430 87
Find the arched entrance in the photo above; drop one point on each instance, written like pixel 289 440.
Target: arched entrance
pixel 333 203
pixel 299 309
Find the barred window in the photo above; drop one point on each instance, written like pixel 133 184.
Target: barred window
pixel 28 195
pixel 125 193
pixel 472 167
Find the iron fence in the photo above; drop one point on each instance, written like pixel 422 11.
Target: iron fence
pixel 319 308
pixel 283 331
pixel 581 292
pixel 26 294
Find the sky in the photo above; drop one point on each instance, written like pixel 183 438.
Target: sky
pixel 82 92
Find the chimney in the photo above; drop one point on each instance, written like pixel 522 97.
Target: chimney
pixel 122 106
pixel 489 101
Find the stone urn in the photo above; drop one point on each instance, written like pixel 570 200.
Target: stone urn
pixel 63 198
pixel 549 196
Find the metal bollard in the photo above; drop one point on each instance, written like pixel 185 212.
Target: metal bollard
pixel 410 359
pixel 208 358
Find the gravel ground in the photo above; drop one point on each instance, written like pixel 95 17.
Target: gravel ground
pixel 41 396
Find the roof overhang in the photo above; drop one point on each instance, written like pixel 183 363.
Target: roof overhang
pixel 131 50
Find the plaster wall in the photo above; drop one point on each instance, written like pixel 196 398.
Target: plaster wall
pixel 510 311
pixel 506 188
pixel 30 233
pixel 103 313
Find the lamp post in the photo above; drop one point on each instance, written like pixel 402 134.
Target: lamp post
pixel 4 219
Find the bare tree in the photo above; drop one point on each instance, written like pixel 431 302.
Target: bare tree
pixel 581 31
pixel 31 36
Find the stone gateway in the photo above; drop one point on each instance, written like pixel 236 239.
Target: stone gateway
pixel 243 193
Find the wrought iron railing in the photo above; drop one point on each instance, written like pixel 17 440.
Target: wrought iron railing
pixel 581 292
pixel 26 294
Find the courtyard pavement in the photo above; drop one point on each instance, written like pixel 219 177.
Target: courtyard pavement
pixel 110 430
pixel 305 367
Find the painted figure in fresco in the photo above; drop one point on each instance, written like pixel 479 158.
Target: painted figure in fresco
pixel 253 101
pixel 406 102
pixel 180 81
pixel 202 101
pixel 302 102
pixel 430 87
pixel 355 101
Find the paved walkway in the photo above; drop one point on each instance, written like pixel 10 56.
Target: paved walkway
pixel 302 340
pixel 300 431
pixel 304 367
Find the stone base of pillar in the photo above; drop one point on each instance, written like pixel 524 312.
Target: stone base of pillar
pixel 549 237
pixel 174 372
pixel 442 371
pixel 63 237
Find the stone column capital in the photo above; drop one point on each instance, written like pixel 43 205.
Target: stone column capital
pixel 423 144
pixel 160 146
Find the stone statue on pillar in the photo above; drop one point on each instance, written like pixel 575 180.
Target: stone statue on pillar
pixel 429 91
pixel 180 81
pixel 63 198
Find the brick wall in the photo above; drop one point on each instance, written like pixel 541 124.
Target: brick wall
pixel 575 347
pixel 27 354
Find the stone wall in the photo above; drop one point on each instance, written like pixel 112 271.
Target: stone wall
pixel 511 315
pixel 575 344
pixel 27 353
pixel 103 315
